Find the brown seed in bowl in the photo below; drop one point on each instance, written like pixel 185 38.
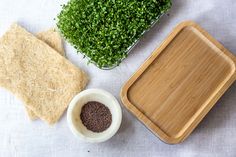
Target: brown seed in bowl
pixel 96 116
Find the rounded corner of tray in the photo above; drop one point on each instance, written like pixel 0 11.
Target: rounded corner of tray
pixel 123 95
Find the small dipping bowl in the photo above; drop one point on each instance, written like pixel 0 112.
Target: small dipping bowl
pixel 74 110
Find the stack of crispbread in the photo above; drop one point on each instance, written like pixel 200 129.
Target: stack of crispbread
pixel 34 69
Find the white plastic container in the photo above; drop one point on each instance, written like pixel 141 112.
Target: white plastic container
pixel 75 123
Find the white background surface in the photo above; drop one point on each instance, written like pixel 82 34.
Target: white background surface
pixel 215 136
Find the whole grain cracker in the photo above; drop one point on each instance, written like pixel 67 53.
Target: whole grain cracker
pixel 33 71
pixel 53 39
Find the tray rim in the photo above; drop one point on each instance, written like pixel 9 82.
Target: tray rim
pixel 144 119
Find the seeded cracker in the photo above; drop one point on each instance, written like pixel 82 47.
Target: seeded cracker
pixel 53 39
pixel 37 74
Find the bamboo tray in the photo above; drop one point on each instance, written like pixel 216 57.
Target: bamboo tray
pixel 180 82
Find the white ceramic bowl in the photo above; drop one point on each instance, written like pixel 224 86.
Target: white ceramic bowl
pixel 75 123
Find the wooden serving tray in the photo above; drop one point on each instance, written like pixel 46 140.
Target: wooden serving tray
pixel 180 82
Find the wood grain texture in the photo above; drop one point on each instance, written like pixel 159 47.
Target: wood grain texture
pixel 180 82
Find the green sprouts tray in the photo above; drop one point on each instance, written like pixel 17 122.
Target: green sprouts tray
pixel 105 31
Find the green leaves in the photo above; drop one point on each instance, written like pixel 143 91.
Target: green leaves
pixel 103 30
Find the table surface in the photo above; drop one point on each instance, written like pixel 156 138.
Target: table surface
pixel 213 137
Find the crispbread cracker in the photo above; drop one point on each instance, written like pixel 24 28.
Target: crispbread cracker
pixel 53 39
pixel 44 80
pixel 31 114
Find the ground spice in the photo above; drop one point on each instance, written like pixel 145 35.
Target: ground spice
pixel 95 116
